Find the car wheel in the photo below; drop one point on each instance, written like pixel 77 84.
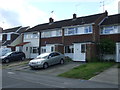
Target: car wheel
pixel 22 58
pixel 45 65
pixel 7 61
pixel 61 61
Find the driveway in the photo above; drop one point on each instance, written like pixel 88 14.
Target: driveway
pixel 52 70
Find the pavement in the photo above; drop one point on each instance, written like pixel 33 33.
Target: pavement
pixel 110 76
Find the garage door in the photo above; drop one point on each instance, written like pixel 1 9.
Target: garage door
pixel 117 52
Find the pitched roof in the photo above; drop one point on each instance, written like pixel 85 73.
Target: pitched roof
pixel 23 29
pixel 19 29
pixel 11 29
pixel 68 22
pixel 112 19
pixel 6 43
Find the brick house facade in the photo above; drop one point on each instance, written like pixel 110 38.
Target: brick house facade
pixel 76 37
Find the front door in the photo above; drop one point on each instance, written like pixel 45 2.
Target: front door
pixel 79 52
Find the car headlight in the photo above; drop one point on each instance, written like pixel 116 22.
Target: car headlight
pixel 38 62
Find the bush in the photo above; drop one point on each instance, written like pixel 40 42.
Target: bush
pixel 107 46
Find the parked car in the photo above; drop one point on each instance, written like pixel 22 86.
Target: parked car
pixel 12 56
pixel 47 59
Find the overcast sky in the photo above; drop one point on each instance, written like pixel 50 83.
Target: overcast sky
pixel 33 12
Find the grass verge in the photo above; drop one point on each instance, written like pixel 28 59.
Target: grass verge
pixel 87 70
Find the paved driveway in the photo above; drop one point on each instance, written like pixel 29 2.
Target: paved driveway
pixel 52 70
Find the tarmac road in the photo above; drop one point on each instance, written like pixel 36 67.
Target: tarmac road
pixel 18 79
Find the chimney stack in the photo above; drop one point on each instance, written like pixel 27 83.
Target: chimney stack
pixel 51 20
pixel 74 16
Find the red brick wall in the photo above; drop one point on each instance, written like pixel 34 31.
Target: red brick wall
pixel 68 40
pixel 90 52
pixel 52 40
pixel 113 37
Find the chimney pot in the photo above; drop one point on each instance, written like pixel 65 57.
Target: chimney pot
pixel 51 20
pixel 74 16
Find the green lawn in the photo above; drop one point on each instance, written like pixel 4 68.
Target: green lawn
pixel 88 70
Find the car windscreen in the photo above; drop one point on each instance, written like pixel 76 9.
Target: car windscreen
pixel 7 54
pixel 44 55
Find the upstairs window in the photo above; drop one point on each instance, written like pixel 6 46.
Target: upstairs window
pixel 88 29
pixel 8 36
pixel 109 30
pixel 35 35
pixel 52 33
pixel 78 30
pixel 26 36
pixel 71 31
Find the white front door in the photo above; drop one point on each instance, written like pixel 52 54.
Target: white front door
pixel 79 52
pixel 117 52
pixel 50 48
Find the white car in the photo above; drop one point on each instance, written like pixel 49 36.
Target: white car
pixel 46 59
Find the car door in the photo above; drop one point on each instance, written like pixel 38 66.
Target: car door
pixel 12 56
pixel 52 59
pixel 56 58
pixel 17 56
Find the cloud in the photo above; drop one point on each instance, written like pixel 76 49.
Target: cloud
pixel 65 0
pixel 20 12
pixel 111 6
pixel 23 12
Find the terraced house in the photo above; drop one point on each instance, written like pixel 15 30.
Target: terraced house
pixel 13 37
pixel 75 37
pixel 110 28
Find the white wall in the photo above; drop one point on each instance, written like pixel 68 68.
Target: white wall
pixel 34 42
pixel 69 55
pixel 27 53
pixel 117 52
pixel 48 47
pixel 109 57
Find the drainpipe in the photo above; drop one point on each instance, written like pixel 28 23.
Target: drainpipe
pixel 63 38
pixel 39 50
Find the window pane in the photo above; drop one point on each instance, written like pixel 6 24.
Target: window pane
pixel 35 50
pixel 69 49
pixel 83 48
pixel 52 49
pixel 35 35
pixel 8 36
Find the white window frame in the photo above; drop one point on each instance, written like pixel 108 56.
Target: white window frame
pixel 35 35
pixel 71 49
pixel 107 30
pixel 32 50
pixel 43 49
pixel 78 30
pixel 51 33
pixel 8 36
